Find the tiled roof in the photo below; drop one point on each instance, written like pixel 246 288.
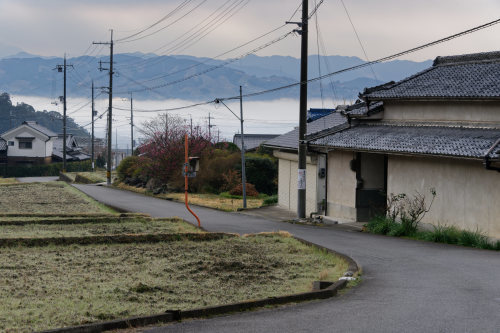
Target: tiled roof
pixel 470 76
pixel 40 128
pixel 290 140
pixel 252 141
pixel 427 140
pixel 360 109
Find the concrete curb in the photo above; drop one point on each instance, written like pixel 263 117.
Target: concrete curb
pixel 330 290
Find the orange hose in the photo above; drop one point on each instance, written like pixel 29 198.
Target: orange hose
pixel 186 169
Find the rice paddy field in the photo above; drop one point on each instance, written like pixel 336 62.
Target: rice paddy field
pixel 73 280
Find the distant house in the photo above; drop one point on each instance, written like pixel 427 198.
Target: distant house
pixel 74 152
pixel 29 143
pixel 439 128
pixel 252 141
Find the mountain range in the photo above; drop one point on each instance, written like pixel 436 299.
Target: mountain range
pixel 192 78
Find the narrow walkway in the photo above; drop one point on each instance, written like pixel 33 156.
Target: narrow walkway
pixel 408 286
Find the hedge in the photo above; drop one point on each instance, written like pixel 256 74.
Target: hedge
pixel 39 170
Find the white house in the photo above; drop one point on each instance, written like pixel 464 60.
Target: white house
pixel 29 143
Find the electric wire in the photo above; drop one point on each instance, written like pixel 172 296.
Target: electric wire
pixel 167 26
pixel 168 15
pixel 216 57
pixel 212 68
pixel 359 39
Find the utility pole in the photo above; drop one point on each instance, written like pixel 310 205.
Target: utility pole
pixel 209 128
pixel 62 68
pixel 110 107
pixel 191 124
pixel 131 126
pixel 116 147
pixel 243 164
pixel 301 184
pixel 93 115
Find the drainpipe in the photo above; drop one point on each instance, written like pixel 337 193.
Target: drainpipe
pixel 487 162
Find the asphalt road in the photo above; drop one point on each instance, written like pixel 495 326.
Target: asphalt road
pixel 37 179
pixel 407 286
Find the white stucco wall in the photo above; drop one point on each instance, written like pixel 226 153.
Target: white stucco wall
pixel 463 111
pixel 341 187
pixel 38 149
pixel 468 195
pixel 287 182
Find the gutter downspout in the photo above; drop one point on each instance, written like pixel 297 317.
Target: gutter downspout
pixel 487 162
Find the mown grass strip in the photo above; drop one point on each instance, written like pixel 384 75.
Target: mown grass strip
pixel 113 239
pixel 73 220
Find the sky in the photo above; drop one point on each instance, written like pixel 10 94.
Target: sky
pixel 55 27
pixel 384 27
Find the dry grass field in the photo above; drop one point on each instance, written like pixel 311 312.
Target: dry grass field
pixel 55 286
pixel 63 262
pixel 205 200
pixel 43 198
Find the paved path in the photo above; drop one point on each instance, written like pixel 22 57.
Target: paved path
pixel 37 179
pixel 408 286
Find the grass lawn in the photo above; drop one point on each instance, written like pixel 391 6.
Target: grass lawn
pixel 132 226
pixel 54 286
pixel 98 176
pixel 205 200
pixel 44 198
pixel 7 181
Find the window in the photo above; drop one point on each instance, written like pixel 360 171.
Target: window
pixel 11 143
pixel 25 144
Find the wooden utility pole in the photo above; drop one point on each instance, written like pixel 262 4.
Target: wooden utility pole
pixel 131 126
pixel 92 139
pixel 62 68
pixel 301 184
pixel 110 107
pixel 243 164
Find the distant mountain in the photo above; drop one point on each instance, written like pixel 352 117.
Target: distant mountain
pixel 14 115
pixel 192 78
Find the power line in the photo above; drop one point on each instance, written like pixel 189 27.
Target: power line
pixel 359 39
pixel 189 39
pixel 184 3
pixel 216 57
pixel 396 55
pixel 168 25
pixel 390 57
pixel 212 68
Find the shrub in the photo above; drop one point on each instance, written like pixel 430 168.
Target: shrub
pixel 262 171
pixel 39 170
pixel 250 190
pixel 217 172
pixel 137 168
pixel 272 200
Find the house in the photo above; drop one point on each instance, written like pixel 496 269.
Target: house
pixel 29 143
pixel 252 141
pixel 74 152
pixel 439 128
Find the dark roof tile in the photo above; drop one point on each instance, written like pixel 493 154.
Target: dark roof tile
pixel 428 140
